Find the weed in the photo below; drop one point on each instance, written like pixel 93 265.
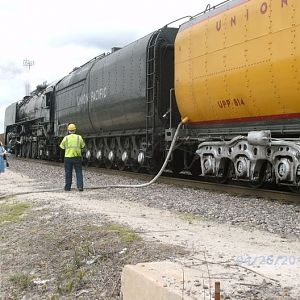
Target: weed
pixel 69 286
pixel 12 212
pixel 189 217
pixel 125 234
pixel 92 227
pixel 77 260
pixel 20 280
pixel 80 275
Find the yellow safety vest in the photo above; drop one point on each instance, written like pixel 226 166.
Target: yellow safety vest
pixel 72 144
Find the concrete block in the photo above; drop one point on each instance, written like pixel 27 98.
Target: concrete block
pixel 160 281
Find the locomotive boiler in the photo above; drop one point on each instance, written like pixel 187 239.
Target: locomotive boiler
pixel 28 122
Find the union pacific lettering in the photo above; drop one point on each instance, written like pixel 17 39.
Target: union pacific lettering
pixel 95 95
pixel 263 8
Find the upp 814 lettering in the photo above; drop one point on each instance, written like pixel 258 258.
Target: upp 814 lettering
pixel 231 102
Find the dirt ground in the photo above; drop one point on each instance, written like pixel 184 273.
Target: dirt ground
pixel 50 251
pixel 61 245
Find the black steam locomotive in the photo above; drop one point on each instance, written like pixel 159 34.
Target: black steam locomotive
pixel 120 102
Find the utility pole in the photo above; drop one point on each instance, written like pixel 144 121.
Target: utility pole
pixel 27 64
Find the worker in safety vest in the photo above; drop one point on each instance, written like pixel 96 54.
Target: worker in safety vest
pixel 73 145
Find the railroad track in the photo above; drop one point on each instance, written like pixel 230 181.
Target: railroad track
pixel 191 182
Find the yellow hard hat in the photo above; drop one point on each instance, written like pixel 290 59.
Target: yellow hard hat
pixel 71 127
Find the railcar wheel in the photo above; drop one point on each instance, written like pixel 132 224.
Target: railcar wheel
pixel 23 151
pixel 99 163
pixel 85 162
pixel 121 165
pixel 195 169
pixel 108 164
pixel 136 167
pixel 295 189
pixel 153 167
pixel 222 176
pixel 177 162
pixel 225 173
pixel 175 170
pixel 263 176
pixel 34 151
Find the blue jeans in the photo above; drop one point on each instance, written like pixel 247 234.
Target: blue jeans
pixel 71 162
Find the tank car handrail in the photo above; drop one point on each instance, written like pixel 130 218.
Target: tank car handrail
pixel 190 17
pixel 209 8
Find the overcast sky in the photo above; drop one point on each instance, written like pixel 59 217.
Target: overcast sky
pixel 59 35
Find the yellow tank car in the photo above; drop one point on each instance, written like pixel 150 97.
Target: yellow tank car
pixel 240 62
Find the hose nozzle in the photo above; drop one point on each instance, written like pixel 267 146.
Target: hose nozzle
pixel 184 120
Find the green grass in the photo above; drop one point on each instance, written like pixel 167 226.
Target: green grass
pixel 12 212
pixel 20 280
pixel 92 228
pixel 125 234
pixel 189 217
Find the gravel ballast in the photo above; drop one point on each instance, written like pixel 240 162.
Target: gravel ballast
pixel 263 214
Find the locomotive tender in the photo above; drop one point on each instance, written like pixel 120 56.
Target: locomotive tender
pixel 232 70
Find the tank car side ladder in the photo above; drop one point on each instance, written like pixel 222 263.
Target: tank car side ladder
pixel 151 92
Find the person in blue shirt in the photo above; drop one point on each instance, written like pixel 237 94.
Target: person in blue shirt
pixel 2 161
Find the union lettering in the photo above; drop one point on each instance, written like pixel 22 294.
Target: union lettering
pixel 284 2
pixel 262 8
pixel 233 20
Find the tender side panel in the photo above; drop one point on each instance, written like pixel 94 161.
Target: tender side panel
pixel 72 100
pixel 118 89
pixel 240 61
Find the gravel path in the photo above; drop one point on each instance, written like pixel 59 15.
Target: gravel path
pixel 274 217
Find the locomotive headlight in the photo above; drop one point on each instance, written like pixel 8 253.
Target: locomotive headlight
pixel 99 155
